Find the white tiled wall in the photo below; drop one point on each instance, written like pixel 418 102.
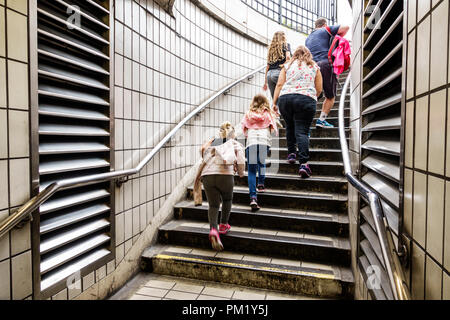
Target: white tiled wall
pixel 15 253
pixel 165 67
pixel 427 149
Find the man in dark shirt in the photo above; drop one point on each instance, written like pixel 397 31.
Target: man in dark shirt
pixel 318 43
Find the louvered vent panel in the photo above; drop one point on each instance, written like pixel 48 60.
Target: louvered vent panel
pixel 381 124
pixel 74 133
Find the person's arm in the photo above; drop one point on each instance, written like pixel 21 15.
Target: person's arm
pixel 265 79
pixel 343 30
pixel 319 83
pixel 280 84
pixel 240 161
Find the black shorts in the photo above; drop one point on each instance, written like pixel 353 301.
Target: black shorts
pixel 329 79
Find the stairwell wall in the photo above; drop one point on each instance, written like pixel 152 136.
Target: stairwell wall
pixel 427 144
pixel 361 292
pixel 15 184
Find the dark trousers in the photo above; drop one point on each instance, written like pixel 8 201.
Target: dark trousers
pixel 298 111
pixel 218 189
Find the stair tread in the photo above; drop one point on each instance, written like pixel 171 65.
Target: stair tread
pixel 302 214
pixel 312 150
pixel 298 193
pixel 315 163
pixel 293 193
pixel 254 262
pixel 297 177
pixel 262 234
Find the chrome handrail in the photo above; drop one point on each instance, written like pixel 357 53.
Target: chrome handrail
pixel 34 203
pixel 391 259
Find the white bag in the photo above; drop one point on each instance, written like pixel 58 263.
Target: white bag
pixel 225 154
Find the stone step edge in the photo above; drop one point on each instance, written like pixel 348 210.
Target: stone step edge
pixel 339 218
pixel 338 243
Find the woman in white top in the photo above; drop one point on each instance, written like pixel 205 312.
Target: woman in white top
pixel 296 95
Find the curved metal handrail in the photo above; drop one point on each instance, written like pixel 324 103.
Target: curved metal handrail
pixel 31 205
pixel 391 259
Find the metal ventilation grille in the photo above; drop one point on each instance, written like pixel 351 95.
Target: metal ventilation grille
pixel 74 134
pixel 381 124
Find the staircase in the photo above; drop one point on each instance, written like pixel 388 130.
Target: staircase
pixel 298 243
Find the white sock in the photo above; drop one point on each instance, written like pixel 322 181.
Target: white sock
pixel 323 116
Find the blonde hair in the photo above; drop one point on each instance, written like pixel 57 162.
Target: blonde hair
pixel 302 54
pixel 227 131
pixel 277 46
pixel 260 103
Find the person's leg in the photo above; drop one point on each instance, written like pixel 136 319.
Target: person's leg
pixel 303 119
pixel 226 186
pixel 262 156
pixel 286 112
pixel 252 162
pixel 213 197
pixel 329 88
pixel 272 80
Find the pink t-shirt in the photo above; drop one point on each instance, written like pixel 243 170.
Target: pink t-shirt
pixel 301 80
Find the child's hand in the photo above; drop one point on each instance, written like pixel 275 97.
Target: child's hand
pixel 265 87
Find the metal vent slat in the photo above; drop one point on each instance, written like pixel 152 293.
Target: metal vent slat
pixel 54 91
pixel 56 17
pixel 383 144
pixel 377 27
pixel 384 187
pixel 384 166
pixel 84 14
pixel 71 147
pixel 364 266
pixel 371 236
pixel 71 235
pixel 72 217
pixel 50 53
pixel 71 130
pixel 70 269
pixel 381 124
pixel 390 101
pixel 380 43
pixel 57 73
pixel 62 111
pixel 57 166
pixel 375 262
pixel 73 200
pixel 60 257
pixel 56 36
pixel 74 94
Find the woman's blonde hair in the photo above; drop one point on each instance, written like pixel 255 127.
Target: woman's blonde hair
pixel 227 131
pixel 260 103
pixel 302 54
pixel 277 47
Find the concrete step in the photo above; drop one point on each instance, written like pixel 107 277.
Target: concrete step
pixel 298 200
pixel 314 154
pixel 318 223
pixel 319 132
pixel 252 241
pixel 287 276
pixel 314 143
pixel 293 182
pixel 320 168
pixel 332 120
